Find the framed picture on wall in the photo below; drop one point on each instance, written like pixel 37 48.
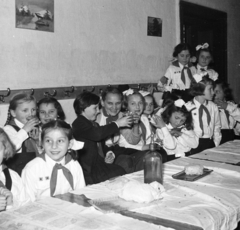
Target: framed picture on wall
pixel 154 27
pixel 35 14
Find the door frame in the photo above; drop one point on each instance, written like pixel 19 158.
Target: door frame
pixel 193 14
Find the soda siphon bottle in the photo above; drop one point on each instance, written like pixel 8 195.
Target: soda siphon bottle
pixel 153 164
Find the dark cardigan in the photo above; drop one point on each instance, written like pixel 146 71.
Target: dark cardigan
pixel 94 167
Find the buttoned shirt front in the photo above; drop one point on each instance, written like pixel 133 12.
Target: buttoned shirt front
pixel 213 130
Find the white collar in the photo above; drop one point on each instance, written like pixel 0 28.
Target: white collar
pixel 182 66
pixel 18 123
pixel 197 103
pixel 52 162
pixel 200 67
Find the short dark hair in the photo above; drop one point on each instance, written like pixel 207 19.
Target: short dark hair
pixel 197 89
pixel 226 89
pixel 171 108
pixel 57 105
pixel 180 47
pixel 84 100
pixel 204 50
pixel 61 125
pixel 112 90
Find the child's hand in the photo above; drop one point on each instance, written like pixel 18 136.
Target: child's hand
pixel 157 121
pixel 3 203
pixel 6 198
pixel 30 124
pixel 175 133
pixel 109 158
pixel 125 121
pixel 34 134
pixel 221 104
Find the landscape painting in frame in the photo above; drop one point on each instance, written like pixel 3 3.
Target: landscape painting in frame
pixel 35 15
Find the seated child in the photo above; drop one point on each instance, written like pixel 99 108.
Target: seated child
pixel 97 164
pixel 229 111
pixel 50 109
pixel 149 104
pixel 54 172
pixel 138 136
pixel 11 180
pixel 20 127
pixel 128 158
pixel 178 121
pixel 205 113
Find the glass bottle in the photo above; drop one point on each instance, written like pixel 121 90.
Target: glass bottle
pixel 153 165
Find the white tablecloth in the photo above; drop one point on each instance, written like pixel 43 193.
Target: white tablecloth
pixel 212 202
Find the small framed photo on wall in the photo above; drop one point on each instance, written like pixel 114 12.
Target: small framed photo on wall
pixel 154 27
pixel 35 15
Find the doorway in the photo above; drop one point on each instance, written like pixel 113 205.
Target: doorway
pixel 201 25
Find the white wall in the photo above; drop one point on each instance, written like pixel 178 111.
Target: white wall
pixel 95 42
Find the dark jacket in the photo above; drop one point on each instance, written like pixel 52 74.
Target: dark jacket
pixel 94 167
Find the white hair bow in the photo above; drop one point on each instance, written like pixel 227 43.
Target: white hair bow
pixel 128 92
pixel 212 74
pixel 198 76
pixel 179 103
pixel 204 46
pixel 144 93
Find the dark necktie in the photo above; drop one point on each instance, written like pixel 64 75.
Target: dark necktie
pixel 183 77
pixel 99 144
pixel 202 69
pixel 227 116
pixel 8 178
pixel 53 181
pixel 201 109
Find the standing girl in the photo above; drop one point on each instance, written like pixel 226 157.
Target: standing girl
pixel 10 178
pixel 54 172
pixel 229 111
pixel 178 76
pixel 206 119
pixel 21 129
pixel 204 59
pixel 176 120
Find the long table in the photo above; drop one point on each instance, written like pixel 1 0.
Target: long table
pixel 210 203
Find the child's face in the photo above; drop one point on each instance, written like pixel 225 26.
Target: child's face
pixel 2 149
pixel 112 104
pixel 149 106
pixel 219 94
pixel 204 58
pixel 24 111
pixel 177 119
pixel 183 57
pixel 135 104
pixel 91 112
pixel 47 112
pixel 56 144
pixel 208 92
